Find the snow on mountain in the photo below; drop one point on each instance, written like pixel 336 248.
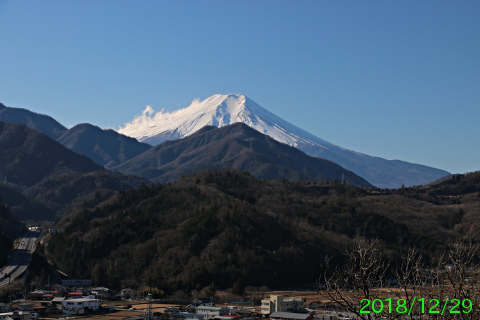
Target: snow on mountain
pixel 218 110
pixel 221 110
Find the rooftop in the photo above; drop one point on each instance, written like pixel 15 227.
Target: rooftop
pixel 290 315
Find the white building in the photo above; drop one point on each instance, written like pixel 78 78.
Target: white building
pixel 101 293
pixel 78 306
pixel 277 303
pixel 210 312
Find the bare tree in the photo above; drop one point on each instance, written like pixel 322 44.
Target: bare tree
pixel 413 283
pixel 354 283
pixel 456 281
pixel 448 290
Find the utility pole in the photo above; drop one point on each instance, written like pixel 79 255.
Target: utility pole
pixel 9 286
pixel 149 314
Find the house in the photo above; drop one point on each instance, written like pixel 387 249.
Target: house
pixel 4 308
pixel 26 307
pixel 126 293
pixel 57 301
pixel 291 316
pixel 60 289
pixel 209 312
pixel 76 294
pixel 79 306
pixel 48 297
pixel 277 303
pixel 101 293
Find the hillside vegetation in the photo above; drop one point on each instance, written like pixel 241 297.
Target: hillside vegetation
pixel 9 223
pixel 10 228
pixel 227 226
pixel 40 179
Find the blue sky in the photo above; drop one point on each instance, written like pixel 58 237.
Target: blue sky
pixel 394 79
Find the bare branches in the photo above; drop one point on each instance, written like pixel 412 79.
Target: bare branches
pixel 453 283
pixel 363 270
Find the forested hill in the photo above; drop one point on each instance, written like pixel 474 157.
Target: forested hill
pixel 10 228
pixel 225 226
pixel 8 223
pixel 6 245
pixel 40 179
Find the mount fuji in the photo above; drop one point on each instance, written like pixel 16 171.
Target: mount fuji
pixel 221 110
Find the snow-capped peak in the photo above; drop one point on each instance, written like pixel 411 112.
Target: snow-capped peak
pixel 218 110
pixel 221 110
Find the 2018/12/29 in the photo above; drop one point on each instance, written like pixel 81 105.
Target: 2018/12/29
pixel 458 306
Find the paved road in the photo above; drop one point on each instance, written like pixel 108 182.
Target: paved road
pixel 21 258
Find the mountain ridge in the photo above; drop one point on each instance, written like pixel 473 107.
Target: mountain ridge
pixel 220 110
pixel 238 146
pixel 41 179
pixel 38 121
pixel 104 146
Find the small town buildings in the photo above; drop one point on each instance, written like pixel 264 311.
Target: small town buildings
pixel 126 293
pixel 277 303
pixel 57 301
pixel 16 315
pixel 4 308
pixel 79 306
pixel 75 295
pixel 291 316
pixel 186 316
pixel 48 297
pixel 26 307
pixel 101 293
pixel 61 290
pixel 209 312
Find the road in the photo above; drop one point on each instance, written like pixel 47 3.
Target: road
pixel 21 259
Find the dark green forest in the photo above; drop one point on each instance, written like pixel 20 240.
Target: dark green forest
pixel 225 226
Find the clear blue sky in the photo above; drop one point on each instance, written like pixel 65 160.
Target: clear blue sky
pixel 394 79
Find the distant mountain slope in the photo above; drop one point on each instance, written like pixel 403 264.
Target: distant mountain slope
pixel 40 174
pixel 27 156
pixel 237 146
pixel 40 122
pixel 24 207
pixel 221 110
pixel 9 223
pixel 106 147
